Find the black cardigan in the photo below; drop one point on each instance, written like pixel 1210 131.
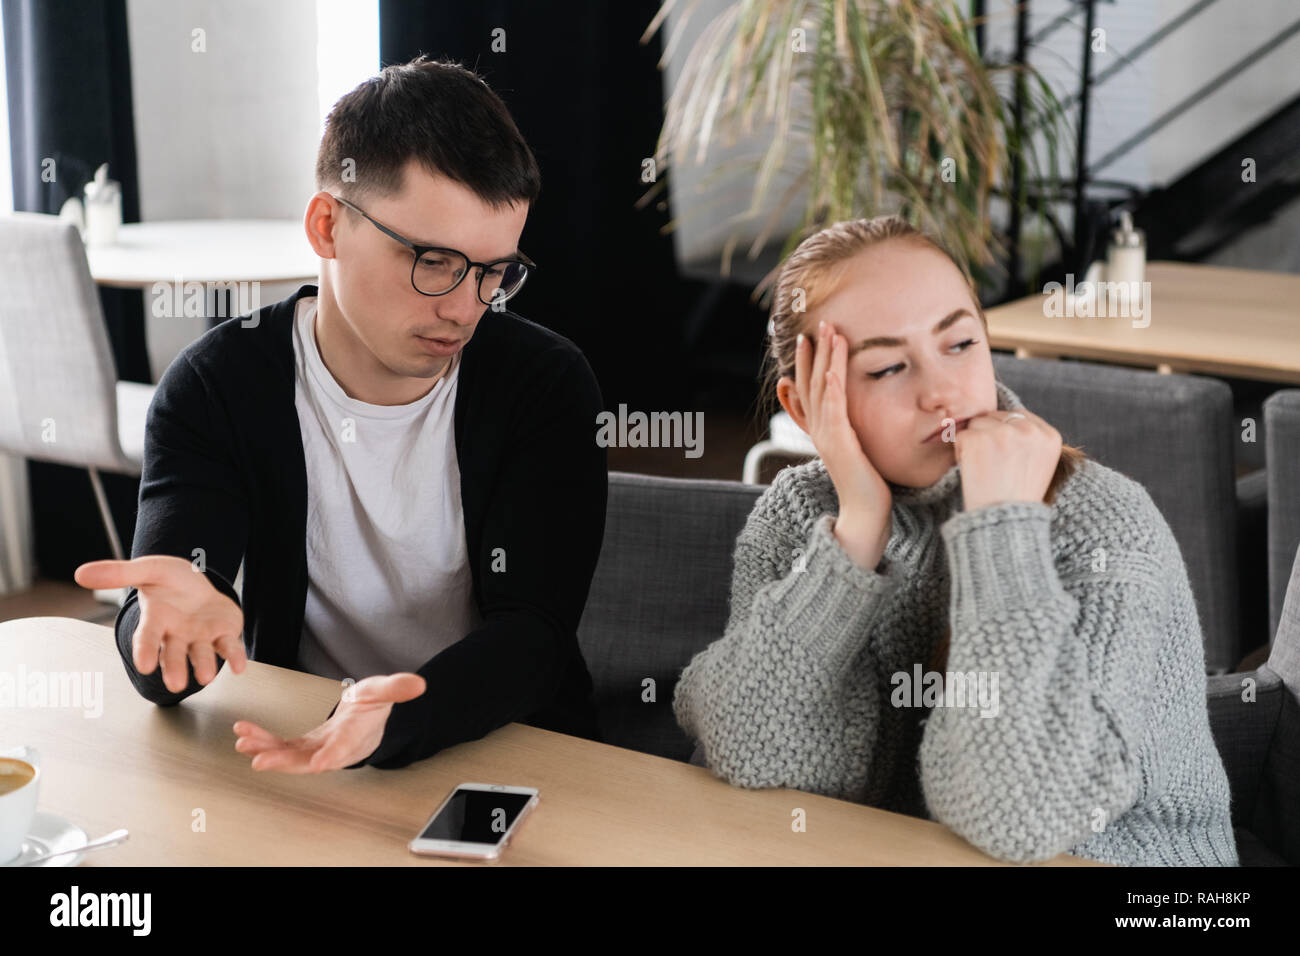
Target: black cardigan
pixel 224 472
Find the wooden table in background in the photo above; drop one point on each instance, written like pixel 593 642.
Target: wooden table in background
pixel 1234 322
pixel 154 770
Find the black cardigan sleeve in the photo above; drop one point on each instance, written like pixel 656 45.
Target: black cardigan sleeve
pixel 192 506
pixel 541 538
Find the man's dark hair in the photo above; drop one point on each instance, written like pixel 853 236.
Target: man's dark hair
pixel 437 112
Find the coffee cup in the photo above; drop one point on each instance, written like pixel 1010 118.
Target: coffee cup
pixel 20 781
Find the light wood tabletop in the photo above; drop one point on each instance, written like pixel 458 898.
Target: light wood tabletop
pixel 1236 322
pixel 172 776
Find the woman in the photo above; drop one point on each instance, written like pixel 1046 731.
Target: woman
pixel 946 541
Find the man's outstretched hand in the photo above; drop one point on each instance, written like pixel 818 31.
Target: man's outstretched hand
pixel 182 617
pixel 352 733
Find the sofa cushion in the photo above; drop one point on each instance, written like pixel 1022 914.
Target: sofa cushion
pixel 659 595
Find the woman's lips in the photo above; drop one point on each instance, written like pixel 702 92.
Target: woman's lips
pixel 960 423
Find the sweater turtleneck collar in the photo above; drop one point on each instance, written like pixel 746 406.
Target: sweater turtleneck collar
pixel 950 484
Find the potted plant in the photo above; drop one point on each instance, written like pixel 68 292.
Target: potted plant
pixel 854 108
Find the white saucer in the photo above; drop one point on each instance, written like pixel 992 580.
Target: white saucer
pixel 49 833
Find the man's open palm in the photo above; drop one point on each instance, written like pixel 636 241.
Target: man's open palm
pixel 182 617
pixel 351 733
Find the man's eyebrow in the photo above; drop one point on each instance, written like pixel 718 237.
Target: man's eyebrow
pixel 439 245
pixel 885 340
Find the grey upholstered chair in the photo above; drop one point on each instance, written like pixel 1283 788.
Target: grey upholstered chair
pixel 1174 435
pixel 1255 718
pixel 60 400
pixel 1282 454
pixel 660 595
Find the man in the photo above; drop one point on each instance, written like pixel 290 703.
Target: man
pixel 408 471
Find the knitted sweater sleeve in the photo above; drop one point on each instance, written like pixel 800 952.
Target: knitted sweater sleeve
pixel 774 702
pixel 1056 760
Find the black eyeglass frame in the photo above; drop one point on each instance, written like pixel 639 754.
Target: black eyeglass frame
pixel 418 250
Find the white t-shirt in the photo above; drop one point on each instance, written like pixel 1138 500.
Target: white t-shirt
pixel 389 582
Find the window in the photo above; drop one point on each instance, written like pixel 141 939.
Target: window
pixel 347 48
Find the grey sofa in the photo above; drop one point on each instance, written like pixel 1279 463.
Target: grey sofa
pixel 660 595
pixel 1173 434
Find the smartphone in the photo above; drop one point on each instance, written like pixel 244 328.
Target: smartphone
pixel 475 822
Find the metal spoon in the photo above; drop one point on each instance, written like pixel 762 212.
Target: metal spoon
pixel 111 839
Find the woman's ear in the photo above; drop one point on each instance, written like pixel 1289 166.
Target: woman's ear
pixel 788 396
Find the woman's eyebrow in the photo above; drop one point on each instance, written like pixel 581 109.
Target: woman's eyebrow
pixel 888 340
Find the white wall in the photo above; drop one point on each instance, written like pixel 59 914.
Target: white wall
pixel 232 132
pixel 1156 81
pixel 707 199
pixel 1211 42
pixel 6 172
pixel 1119 107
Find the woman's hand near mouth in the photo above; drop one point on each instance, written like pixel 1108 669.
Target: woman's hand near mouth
pixel 1003 460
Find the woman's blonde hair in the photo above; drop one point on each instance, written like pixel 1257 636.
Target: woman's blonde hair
pixel 807 278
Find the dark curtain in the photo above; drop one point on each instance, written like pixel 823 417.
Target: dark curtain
pixel 68 75
pixel 588 97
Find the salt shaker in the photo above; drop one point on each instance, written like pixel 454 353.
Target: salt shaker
pixel 103 208
pixel 1127 256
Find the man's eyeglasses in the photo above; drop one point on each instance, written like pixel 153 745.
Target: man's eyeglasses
pixel 437 271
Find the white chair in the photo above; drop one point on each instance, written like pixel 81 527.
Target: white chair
pixel 60 400
pixel 787 439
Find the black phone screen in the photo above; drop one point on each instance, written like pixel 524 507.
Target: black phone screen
pixel 476 816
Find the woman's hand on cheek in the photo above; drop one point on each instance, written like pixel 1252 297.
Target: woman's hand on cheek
pixel 1004 461
pixel 864 522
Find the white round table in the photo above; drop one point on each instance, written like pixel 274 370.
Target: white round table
pixel 205 250
pixel 216 251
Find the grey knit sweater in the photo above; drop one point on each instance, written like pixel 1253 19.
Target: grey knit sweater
pixel 1076 720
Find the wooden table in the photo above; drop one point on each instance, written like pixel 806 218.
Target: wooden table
pixel 1234 322
pixel 159 772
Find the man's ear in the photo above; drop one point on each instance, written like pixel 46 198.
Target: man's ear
pixel 319 221
pixel 788 396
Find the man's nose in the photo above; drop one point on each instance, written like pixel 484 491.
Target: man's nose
pixel 461 305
